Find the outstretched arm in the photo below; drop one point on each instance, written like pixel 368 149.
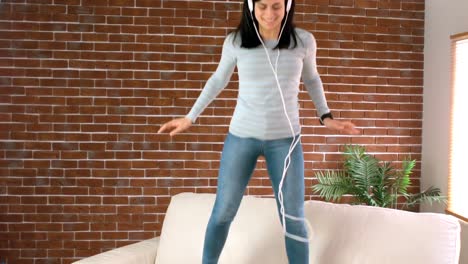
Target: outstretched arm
pixel 314 86
pixel 212 88
pixel 218 81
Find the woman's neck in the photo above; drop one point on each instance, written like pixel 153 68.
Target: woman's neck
pixel 270 34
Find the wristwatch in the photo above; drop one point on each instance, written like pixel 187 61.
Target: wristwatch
pixel 324 116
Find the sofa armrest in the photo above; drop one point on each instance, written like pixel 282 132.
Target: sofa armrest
pixel 143 252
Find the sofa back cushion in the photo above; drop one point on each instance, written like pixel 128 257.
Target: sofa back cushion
pixel 340 234
pixel 365 235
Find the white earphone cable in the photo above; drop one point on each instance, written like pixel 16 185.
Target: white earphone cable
pixel 294 142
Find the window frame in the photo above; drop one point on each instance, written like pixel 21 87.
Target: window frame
pixel 454 39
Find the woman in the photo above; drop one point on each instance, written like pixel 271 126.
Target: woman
pixel 271 56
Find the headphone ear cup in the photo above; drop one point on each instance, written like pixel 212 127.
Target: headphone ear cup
pixel 250 5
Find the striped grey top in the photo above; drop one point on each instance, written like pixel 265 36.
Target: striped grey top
pixel 259 111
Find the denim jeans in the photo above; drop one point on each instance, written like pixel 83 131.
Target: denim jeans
pixel 238 160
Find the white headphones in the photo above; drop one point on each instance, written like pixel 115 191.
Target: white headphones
pixel 251 5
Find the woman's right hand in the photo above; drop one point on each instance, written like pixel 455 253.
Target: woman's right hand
pixel 176 125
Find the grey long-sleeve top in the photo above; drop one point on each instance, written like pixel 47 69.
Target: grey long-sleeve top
pixel 259 110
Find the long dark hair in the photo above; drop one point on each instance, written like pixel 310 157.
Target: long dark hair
pixel 249 37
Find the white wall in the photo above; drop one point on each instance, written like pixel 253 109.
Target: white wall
pixel 443 18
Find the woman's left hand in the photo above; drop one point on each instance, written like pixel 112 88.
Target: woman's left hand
pixel 345 127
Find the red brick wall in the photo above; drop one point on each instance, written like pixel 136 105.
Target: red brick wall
pixel 85 85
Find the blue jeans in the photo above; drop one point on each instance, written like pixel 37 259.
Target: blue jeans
pixel 238 161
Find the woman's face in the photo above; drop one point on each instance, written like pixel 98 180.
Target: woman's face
pixel 269 14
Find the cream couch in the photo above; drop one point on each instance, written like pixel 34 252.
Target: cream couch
pixel 341 234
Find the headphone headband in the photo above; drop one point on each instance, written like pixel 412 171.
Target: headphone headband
pixel 250 3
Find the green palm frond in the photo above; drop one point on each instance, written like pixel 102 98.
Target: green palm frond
pixel 408 166
pixel 401 184
pixel 364 172
pixel 365 198
pixel 354 152
pixel 387 172
pixel 381 188
pixel 430 195
pixel 332 184
pixel 383 196
pixel 403 181
pixel 371 181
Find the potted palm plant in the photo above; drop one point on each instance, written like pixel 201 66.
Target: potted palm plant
pixel 372 182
